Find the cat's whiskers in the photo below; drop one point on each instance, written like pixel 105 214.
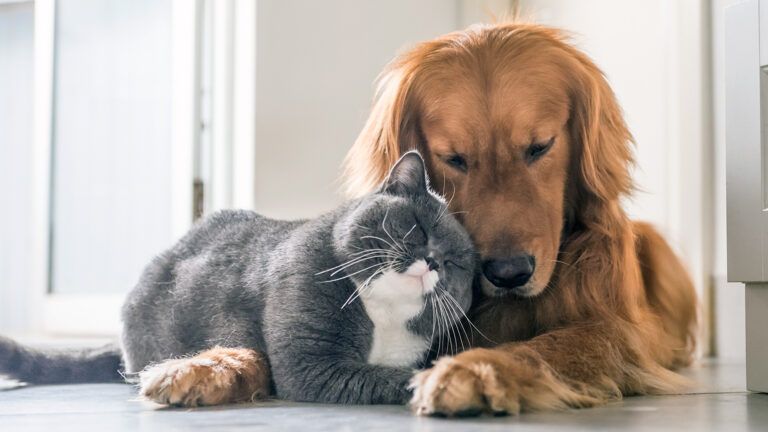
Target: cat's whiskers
pixel 448 204
pixel 446 333
pixel 351 274
pixel 366 287
pixel 444 177
pixel 444 320
pixel 383 222
pixel 461 332
pixel 457 327
pixel 455 213
pixel 358 262
pixel 406 234
pixel 363 252
pixel 375 251
pixel 367 253
pixel 437 319
pixel 359 248
pixel 432 337
pixel 352 262
pixel 469 321
pixel 457 313
pixel 359 290
pixel 387 253
pixel 373 237
pixel 402 241
pixel 449 319
pixel 361 227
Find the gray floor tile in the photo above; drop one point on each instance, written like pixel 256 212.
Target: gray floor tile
pixel 718 402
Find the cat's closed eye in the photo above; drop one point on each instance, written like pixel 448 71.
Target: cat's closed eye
pixel 452 263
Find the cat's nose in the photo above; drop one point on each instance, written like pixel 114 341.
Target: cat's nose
pixel 511 272
pixel 431 263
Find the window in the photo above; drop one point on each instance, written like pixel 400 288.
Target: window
pixel 115 125
pixel 111 143
pixel 134 114
pixel 16 155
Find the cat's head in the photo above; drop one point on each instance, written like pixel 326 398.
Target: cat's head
pixel 405 231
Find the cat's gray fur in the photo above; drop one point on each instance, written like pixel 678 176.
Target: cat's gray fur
pixel 239 279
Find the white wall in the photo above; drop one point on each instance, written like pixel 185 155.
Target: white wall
pixel 16 72
pixel 316 64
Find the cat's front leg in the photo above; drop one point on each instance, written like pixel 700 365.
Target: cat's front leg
pixel 345 382
pixel 212 377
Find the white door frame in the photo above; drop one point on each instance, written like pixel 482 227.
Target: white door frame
pixel 230 114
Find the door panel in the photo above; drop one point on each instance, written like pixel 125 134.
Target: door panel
pixel 111 186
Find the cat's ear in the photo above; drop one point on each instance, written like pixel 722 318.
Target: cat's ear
pixel 408 176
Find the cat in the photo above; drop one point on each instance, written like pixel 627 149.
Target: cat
pixel 340 309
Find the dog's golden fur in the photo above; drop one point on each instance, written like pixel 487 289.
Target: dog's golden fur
pixel 609 309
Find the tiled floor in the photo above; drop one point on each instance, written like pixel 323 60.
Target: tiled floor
pixel 719 403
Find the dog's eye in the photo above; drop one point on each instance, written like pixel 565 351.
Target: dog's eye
pixel 537 150
pixel 458 162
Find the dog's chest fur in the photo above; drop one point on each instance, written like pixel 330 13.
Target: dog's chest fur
pixel 391 301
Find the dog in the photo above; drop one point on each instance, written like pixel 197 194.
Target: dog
pixel 521 131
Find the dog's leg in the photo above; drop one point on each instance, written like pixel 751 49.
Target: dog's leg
pixel 573 367
pixel 216 376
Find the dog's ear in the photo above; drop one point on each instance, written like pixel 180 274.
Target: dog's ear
pixel 602 141
pixel 407 177
pixel 392 127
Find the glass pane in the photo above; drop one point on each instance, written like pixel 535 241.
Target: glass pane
pixel 16 153
pixel 111 142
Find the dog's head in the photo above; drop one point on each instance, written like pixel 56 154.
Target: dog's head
pixel 520 131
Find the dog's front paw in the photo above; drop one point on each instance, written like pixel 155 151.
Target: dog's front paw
pixel 496 382
pixel 455 388
pixel 213 377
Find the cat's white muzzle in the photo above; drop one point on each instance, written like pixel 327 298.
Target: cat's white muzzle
pixel 428 278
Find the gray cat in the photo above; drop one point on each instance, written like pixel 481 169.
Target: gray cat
pixel 343 306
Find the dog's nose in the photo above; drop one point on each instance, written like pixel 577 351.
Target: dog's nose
pixel 509 272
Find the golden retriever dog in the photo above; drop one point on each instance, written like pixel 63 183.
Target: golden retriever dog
pixel 521 131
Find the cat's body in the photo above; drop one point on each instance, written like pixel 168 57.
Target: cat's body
pixel 344 306
pixel 282 288
pixel 196 295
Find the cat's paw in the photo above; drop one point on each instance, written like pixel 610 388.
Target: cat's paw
pixel 213 377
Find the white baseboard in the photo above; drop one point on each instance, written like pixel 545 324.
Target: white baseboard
pixel 757 342
pixel 82 315
pixel 728 315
